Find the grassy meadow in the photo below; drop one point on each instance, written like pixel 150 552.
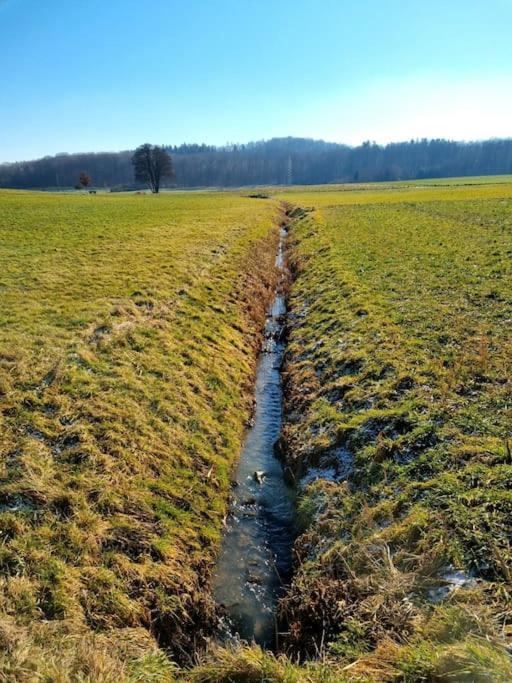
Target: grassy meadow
pixel 398 414
pixel 129 327
pixel 399 366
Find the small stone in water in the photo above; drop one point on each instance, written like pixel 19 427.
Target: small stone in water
pixel 249 501
pixel 259 476
pixel 255 579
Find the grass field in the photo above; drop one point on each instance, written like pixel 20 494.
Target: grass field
pixel 399 368
pixel 399 414
pixel 400 192
pixel 129 327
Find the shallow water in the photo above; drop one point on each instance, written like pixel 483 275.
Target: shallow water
pixel 255 558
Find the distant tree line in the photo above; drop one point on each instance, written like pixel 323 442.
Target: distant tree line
pixel 276 161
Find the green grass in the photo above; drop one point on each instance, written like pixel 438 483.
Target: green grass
pixel 326 196
pixel 400 353
pixel 129 327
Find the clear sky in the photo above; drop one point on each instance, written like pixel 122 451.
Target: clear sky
pixel 110 74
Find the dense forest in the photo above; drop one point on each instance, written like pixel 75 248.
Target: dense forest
pixel 277 161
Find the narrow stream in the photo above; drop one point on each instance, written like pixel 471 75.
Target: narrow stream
pixel 255 557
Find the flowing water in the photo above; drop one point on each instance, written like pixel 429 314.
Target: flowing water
pixel 255 557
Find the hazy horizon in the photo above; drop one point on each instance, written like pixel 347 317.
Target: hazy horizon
pixel 109 77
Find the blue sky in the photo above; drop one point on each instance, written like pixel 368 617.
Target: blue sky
pixel 110 74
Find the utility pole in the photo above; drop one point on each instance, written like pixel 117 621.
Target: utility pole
pixel 289 171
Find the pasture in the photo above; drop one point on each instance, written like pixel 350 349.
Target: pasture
pixel 129 331
pixel 128 334
pixel 399 396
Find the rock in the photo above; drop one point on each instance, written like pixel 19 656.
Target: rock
pixel 259 476
pixel 249 501
pixel 255 579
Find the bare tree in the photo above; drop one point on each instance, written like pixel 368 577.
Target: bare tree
pixel 84 180
pixel 151 163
